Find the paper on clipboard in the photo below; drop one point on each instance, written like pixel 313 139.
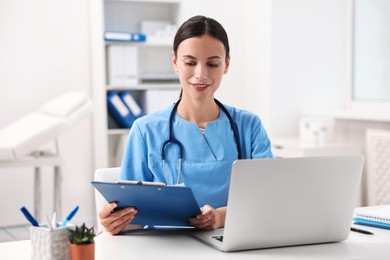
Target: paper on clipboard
pixel 156 204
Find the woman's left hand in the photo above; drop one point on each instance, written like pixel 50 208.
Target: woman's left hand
pixel 210 218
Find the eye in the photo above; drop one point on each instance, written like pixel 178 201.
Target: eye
pixel 212 65
pixel 191 63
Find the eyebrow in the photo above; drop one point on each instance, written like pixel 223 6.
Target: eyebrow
pixel 209 58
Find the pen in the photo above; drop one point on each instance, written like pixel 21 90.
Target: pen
pixel 361 231
pixel 29 217
pixel 54 220
pixel 49 226
pixel 70 216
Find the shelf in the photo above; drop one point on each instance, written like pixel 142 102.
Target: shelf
pixel 159 86
pixel 159 77
pixel 118 131
pixel 141 44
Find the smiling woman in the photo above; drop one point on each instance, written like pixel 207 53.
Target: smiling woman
pixel 201 40
pixel 195 141
pixel 200 62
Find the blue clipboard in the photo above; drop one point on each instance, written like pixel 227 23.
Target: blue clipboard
pixel 157 205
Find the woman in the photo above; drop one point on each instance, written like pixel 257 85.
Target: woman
pixel 200 124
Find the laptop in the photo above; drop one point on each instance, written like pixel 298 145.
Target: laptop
pixel 288 202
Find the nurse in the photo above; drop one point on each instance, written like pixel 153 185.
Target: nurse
pixel 202 141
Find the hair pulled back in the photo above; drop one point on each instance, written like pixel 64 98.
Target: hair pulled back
pixel 198 26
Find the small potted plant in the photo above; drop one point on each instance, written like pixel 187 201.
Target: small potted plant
pixel 82 245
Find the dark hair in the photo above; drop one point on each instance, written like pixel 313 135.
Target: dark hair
pixel 200 25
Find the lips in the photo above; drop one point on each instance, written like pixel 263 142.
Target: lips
pixel 200 86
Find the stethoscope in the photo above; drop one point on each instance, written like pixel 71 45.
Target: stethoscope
pixel 173 140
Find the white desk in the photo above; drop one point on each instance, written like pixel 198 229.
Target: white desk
pixel 172 245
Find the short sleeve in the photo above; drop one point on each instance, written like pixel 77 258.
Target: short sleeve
pixel 261 145
pixel 135 161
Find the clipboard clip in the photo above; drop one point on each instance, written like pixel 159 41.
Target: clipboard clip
pixel 150 183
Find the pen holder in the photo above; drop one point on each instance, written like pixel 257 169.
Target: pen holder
pixel 48 243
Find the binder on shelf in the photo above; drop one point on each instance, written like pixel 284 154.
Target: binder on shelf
pixel 118 110
pixel 376 217
pixel 123 65
pixel 112 123
pixel 157 99
pixel 124 36
pixel 131 104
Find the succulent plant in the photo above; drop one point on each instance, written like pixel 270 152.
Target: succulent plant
pixel 81 235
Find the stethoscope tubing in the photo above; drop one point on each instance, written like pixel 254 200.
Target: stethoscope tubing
pixel 172 139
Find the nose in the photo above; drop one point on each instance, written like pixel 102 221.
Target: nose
pixel 200 72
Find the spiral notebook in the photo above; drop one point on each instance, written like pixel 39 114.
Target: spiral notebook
pixel 376 218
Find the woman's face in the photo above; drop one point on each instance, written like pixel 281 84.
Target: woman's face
pixel 200 64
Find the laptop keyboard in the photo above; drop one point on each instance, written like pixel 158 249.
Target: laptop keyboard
pixel 219 238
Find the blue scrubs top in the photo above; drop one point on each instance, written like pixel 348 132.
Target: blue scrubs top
pixel 207 157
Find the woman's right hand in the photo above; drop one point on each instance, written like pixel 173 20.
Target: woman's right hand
pixel 115 221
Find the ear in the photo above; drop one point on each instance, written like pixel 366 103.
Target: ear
pixel 227 62
pixel 174 62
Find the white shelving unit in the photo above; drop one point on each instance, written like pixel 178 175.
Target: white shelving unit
pixel 154 74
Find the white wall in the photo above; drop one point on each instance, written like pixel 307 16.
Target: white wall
pixel 308 66
pixel 257 53
pixel 44 50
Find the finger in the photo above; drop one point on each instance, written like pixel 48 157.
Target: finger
pixel 203 221
pixel 123 212
pixel 206 208
pixel 200 219
pixel 119 220
pixel 118 217
pixel 107 210
pixel 208 212
pixel 118 225
pixel 208 225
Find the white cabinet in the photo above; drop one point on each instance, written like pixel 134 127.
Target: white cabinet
pixel 294 147
pixel 141 67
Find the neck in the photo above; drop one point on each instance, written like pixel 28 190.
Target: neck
pixel 199 112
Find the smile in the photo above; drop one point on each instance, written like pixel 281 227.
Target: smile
pixel 200 86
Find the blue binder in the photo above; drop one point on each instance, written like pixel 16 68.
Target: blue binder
pixel 124 36
pixel 131 104
pixel 157 205
pixel 118 110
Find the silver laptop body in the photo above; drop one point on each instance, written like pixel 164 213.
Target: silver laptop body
pixel 286 202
